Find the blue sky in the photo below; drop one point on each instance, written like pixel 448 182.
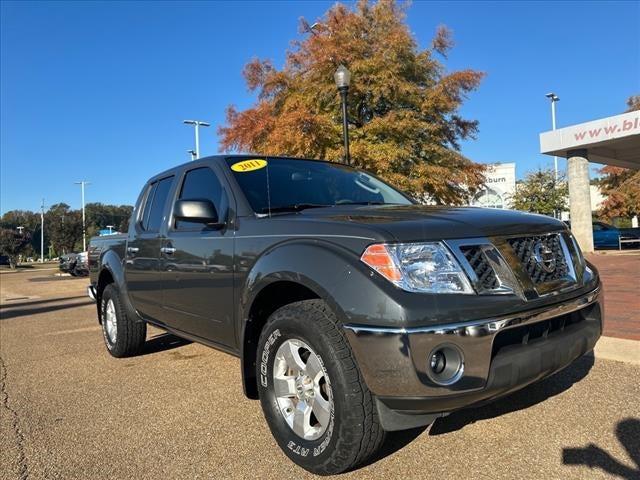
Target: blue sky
pixel 98 91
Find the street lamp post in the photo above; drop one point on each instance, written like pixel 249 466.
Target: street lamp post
pixel 110 227
pixel 342 78
pixel 82 183
pixel 554 98
pixel 42 231
pixel 197 124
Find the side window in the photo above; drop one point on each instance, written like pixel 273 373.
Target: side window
pixel 597 227
pixel 200 184
pixel 143 217
pixel 153 219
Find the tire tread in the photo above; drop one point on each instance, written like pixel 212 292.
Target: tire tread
pixel 363 443
pixel 131 334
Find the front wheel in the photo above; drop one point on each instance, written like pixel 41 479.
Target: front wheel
pixel 314 399
pixel 123 336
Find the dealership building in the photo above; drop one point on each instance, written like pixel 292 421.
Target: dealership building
pixel 609 141
pixel 499 187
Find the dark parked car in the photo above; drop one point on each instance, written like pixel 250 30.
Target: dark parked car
pixel 74 264
pixel 608 236
pixel 67 262
pixel 354 310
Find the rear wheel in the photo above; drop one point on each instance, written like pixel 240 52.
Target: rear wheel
pixel 123 336
pixel 315 401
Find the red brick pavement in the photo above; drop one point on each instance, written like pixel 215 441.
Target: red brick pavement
pixel 620 275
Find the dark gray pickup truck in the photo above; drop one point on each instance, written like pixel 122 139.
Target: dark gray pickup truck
pixel 354 310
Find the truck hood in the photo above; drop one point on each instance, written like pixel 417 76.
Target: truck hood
pixel 407 223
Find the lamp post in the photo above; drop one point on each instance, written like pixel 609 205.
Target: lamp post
pixel 197 124
pixel 192 154
pixel 110 227
pixel 82 184
pixel 342 78
pixel 42 231
pixel 554 98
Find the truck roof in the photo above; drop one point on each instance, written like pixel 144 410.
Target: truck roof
pixel 224 158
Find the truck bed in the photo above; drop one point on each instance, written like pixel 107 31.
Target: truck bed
pixel 99 245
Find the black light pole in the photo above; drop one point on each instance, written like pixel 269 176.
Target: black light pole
pixel 342 78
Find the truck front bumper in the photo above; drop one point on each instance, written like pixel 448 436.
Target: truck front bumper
pixel 496 356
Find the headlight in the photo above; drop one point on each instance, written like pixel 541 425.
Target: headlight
pixel 418 267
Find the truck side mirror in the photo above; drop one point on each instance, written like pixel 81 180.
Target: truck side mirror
pixel 202 211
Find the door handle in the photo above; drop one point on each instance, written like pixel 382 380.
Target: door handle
pixel 132 249
pixel 168 250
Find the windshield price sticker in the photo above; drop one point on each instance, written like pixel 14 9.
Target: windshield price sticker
pixel 249 165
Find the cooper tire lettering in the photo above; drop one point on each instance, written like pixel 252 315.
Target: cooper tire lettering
pixel 264 360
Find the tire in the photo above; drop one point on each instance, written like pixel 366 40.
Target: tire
pixel 128 336
pixel 332 443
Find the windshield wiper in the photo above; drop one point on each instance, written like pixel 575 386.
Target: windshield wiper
pixel 297 207
pixel 364 203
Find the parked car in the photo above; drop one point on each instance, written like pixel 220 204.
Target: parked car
pixel 608 236
pixel 82 265
pixel 354 310
pixel 75 264
pixel 67 262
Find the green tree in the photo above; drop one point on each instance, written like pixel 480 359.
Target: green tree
pixel 31 223
pixel 64 227
pixel 12 243
pixel 99 215
pixel 539 193
pixel 404 118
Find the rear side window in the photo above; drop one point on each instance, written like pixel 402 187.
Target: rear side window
pixel 200 184
pixel 154 206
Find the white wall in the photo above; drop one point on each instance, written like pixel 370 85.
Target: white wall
pixel 501 184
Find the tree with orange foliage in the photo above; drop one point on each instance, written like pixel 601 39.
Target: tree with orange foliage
pixel 621 188
pixel 403 107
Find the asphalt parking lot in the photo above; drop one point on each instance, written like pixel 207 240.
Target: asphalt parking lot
pixel 69 410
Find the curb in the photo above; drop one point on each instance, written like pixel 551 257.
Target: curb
pixel 618 349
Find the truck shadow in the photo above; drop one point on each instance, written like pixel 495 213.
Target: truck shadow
pixel 592 456
pixel 163 342
pixel 525 398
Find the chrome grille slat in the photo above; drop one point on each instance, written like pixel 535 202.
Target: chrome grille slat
pixel 487 278
pixel 524 250
pixel 530 266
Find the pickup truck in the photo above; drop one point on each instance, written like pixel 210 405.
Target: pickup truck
pixel 354 310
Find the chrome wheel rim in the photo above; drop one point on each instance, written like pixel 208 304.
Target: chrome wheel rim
pixel 302 389
pixel 110 321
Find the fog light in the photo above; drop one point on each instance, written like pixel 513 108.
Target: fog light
pixel 446 365
pixel 438 362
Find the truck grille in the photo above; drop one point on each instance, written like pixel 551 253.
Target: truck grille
pixel 542 257
pixel 487 278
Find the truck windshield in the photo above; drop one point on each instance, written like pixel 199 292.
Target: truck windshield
pixel 280 185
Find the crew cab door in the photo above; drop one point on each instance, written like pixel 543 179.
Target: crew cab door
pixel 142 257
pixel 197 264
